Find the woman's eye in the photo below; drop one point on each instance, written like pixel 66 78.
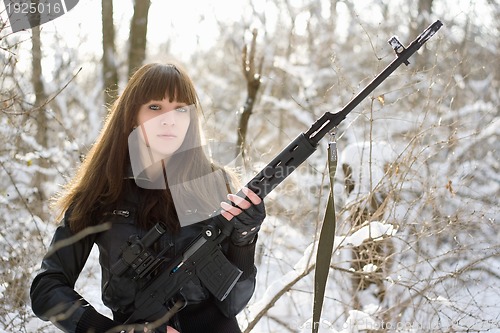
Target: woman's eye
pixel 182 109
pixel 154 107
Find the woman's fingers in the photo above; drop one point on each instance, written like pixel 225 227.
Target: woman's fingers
pixel 254 198
pixel 169 330
pixel 226 215
pixel 239 201
pixel 229 211
pixel 243 202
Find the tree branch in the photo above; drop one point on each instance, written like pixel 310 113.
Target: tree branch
pixel 252 76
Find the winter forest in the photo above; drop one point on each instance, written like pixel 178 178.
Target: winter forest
pixel 416 191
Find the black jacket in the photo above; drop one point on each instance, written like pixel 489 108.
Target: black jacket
pixel 53 296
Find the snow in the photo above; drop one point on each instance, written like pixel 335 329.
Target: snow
pixel 423 155
pixel 374 230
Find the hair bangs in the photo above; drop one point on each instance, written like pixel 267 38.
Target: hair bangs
pixel 166 81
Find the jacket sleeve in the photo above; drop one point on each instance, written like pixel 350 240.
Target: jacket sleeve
pixel 52 291
pixel 242 257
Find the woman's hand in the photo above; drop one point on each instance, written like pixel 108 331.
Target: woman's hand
pixel 246 214
pixel 169 330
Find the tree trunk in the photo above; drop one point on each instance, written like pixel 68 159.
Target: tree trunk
pixel 109 71
pixel 138 35
pixel 252 72
pixel 40 117
pixel 420 22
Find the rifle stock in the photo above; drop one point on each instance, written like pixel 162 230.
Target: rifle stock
pixel 203 258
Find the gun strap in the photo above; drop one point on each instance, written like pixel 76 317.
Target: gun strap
pixel 325 242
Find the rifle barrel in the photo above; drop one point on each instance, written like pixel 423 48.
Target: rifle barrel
pixel 329 120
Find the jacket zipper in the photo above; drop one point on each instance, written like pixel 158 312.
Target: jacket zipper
pixel 124 213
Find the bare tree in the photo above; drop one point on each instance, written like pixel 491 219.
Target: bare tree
pixel 109 70
pixel 40 117
pixel 252 73
pixel 138 35
pixel 420 21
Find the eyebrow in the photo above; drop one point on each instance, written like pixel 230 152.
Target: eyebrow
pixel 176 105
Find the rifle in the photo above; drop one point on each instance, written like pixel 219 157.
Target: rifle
pixel 203 258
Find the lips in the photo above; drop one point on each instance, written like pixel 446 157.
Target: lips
pixel 167 136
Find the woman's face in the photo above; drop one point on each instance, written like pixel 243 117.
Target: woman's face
pixel 163 125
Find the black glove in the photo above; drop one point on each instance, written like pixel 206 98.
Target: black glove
pixel 247 224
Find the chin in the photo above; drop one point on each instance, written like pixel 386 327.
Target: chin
pixel 166 153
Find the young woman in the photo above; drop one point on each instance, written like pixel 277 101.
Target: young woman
pixel 148 166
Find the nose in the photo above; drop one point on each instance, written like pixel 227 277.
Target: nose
pixel 168 118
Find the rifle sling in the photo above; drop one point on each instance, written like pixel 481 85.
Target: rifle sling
pixel 325 242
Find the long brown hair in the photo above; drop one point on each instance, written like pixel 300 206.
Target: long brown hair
pixel 99 181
